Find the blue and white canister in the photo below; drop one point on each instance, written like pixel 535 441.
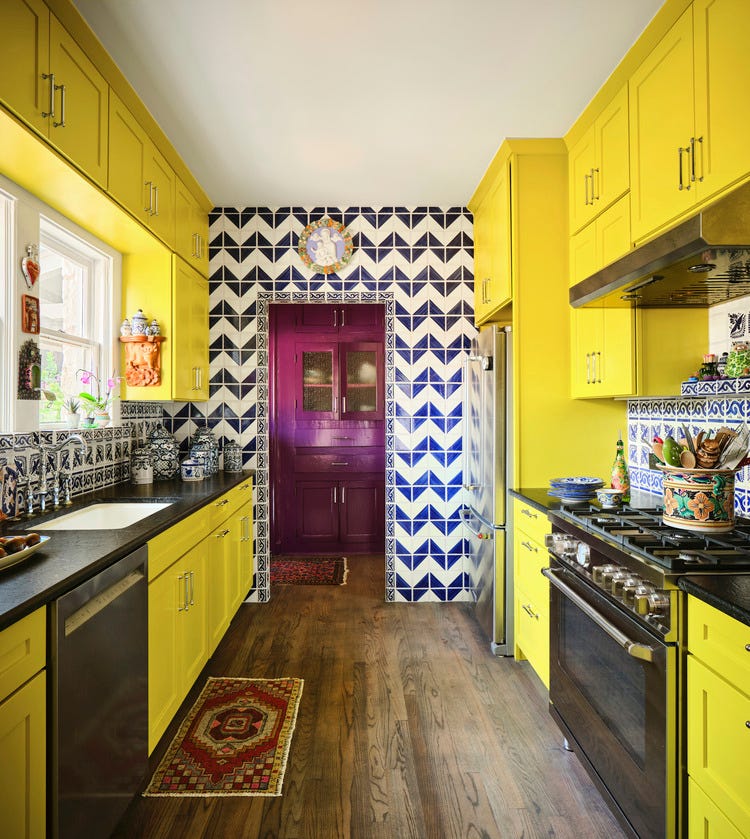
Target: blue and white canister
pixel 191 470
pixel 141 468
pixel 232 457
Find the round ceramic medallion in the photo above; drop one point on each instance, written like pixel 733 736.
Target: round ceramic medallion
pixel 325 246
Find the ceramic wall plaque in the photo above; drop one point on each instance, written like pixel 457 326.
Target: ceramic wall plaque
pixel 325 246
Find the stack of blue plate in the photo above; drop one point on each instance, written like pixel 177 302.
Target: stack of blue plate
pixel 576 490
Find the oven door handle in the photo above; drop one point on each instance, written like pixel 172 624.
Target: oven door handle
pixel 641 651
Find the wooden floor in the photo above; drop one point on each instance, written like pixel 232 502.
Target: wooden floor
pixel 408 728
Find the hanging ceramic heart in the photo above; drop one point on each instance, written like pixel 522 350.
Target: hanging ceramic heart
pixel 30 268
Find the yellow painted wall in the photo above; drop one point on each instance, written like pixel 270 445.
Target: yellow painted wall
pixel 555 435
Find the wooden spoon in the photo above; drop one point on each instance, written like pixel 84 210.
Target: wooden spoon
pixel 687 459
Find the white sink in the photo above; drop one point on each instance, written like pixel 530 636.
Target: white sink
pixel 105 516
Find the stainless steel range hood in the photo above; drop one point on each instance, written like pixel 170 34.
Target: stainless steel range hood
pixel 702 261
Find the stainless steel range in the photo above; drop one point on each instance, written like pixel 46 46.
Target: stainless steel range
pixel 615 634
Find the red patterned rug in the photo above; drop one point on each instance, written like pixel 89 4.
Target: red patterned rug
pixel 234 741
pixel 309 571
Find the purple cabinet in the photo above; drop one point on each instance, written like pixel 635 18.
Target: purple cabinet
pixel 327 435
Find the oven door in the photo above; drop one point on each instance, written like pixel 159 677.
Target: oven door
pixel 613 693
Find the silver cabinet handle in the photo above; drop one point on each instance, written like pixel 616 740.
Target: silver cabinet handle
pixel 634 649
pixel 195 246
pixel 185 590
pixel 588 368
pixel 525 512
pixel 680 150
pixel 594 195
pixel 343 404
pixel 530 547
pixel 223 534
pixel 184 601
pixel 52 89
pixel 598 368
pixel 245 528
pixel 530 612
pixel 485 292
pixel 693 141
pixel 192 588
pixel 586 201
pixel 195 378
pixel 335 317
pixel 343 495
pixel 339 463
pixel 61 124
pixel 149 184
pixel 335 495
pixel 222 502
pixel 343 317
pixel 156 201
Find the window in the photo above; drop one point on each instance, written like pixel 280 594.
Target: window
pixel 73 287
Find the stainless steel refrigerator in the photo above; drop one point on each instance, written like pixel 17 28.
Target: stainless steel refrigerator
pixel 487 471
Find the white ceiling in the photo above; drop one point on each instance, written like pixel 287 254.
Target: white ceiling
pixel 368 102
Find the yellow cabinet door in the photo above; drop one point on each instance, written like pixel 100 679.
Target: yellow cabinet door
pixel 160 185
pixel 722 79
pixel 24 59
pixel 492 250
pixel 582 254
pixel 613 233
pixel 189 333
pixel 705 819
pixel 581 169
pixel 191 229
pixel 661 125
pixel 82 125
pixel 718 737
pixel 219 556
pixel 612 173
pixel 602 353
pixel 177 637
pixel 23 746
pixel 128 149
pixel 244 536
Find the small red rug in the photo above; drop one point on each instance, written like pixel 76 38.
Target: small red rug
pixel 234 741
pixel 310 571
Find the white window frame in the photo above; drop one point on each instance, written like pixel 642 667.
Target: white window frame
pixel 23 213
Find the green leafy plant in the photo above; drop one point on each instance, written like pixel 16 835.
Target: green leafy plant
pixel 71 405
pixel 98 402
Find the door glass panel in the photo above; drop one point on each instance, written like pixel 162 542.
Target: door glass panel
pixel 613 682
pixel 317 381
pixel 361 381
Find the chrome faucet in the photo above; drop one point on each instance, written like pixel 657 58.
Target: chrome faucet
pixel 58 473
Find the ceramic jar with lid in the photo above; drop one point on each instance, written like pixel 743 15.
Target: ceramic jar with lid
pixel 204 440
pixel 232 457
pixel 141 467
pixel 165 454
pixel 191 470
pixel 138 323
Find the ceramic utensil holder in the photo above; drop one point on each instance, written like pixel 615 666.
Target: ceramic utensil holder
pixel 698 499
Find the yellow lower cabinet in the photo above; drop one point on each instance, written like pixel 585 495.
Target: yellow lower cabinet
pixel 705 819
pixel 177 637
pixel 533 632
pixel 718 718
pixel 23 746
pixel 219 555
pixel 244 536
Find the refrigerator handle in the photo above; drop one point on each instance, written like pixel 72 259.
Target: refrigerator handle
pixel 471 487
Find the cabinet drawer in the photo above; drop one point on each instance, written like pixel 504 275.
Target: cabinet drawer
pixel 22 651
pixel 219 510
pixel 719 641
pixel 346 462
pixel 338 438
pixel 705 818
pixel 718 718
pixel 533 632
pixel 531 521
pixel 530 558
pixel 169 546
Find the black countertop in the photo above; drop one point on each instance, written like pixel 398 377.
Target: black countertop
pixel 730 593
pixel 72 556
pixel 539 497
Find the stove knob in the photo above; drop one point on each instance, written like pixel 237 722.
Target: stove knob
pixel 610 575
pixel 656 603
pixel 628 589
pixel 600 570
pixel 619 581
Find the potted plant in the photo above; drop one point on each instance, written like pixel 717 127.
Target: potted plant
pixel 96 404
pixel 71 406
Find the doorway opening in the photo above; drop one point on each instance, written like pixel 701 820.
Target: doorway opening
pixel 326 428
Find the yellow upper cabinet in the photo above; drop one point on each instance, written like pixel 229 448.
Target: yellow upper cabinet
pixel 598 164
pixel 722 80
pixel 687 140
pixel 492 248
pixel 139 176
pixel 603 241
pixel 602 353
pixel 50 83
pixel 189 333
pixel 191 235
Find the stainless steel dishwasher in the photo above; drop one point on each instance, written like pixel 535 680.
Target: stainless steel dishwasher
pixel 99 701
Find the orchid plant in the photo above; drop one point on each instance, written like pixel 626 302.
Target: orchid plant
pixel 98 402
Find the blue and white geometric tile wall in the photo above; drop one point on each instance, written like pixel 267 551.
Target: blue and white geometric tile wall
pixel 419 263
pixel 662 417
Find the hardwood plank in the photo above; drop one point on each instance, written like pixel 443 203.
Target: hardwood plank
pixel 408 728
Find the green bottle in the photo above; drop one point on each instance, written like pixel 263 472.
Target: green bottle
pixel 620 476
